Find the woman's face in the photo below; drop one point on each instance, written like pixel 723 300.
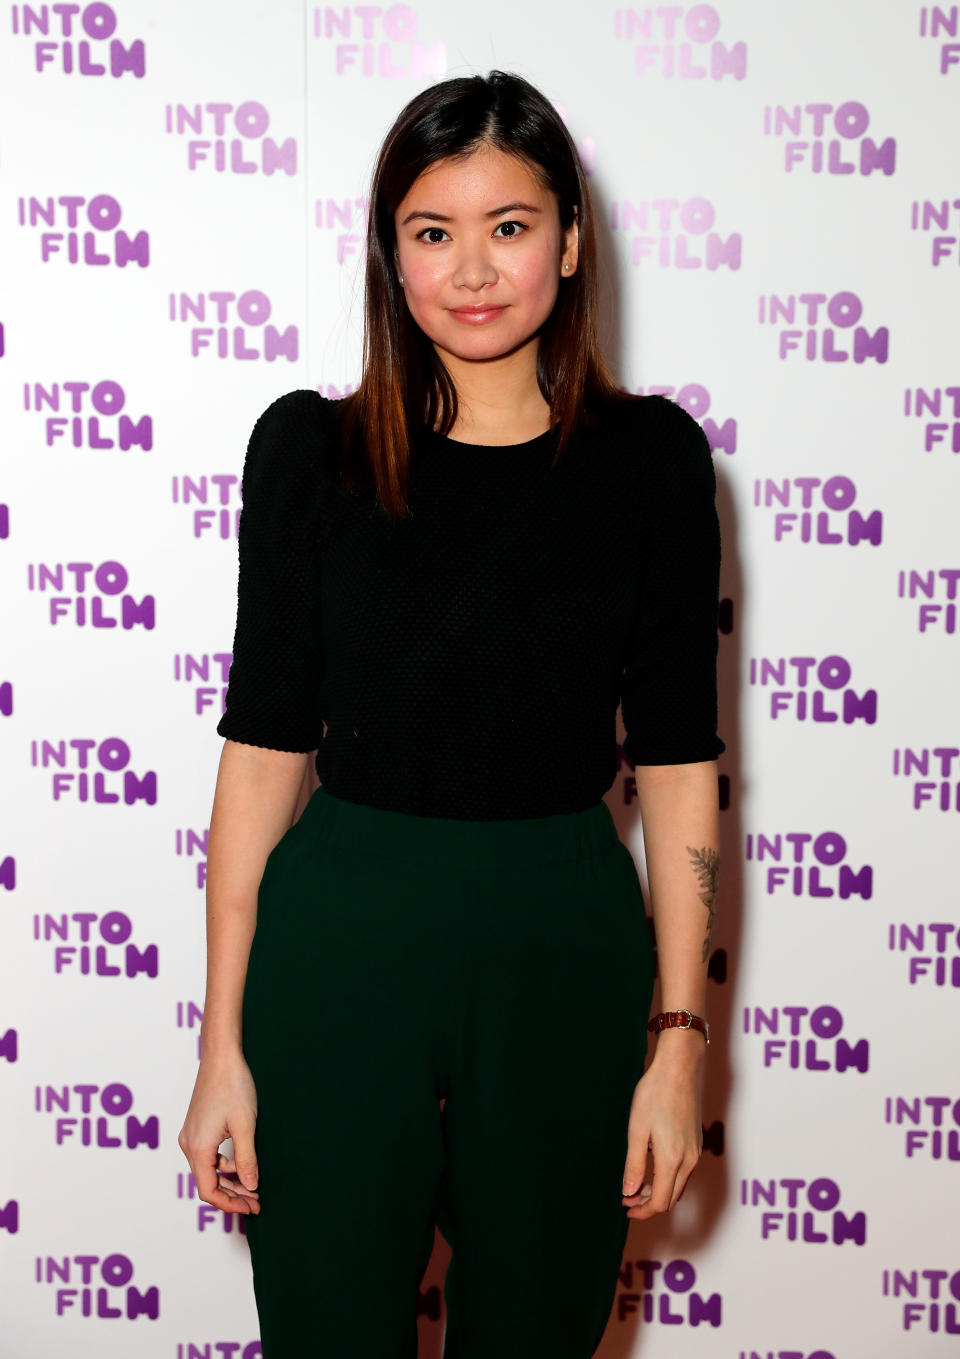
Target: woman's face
pixel 481 253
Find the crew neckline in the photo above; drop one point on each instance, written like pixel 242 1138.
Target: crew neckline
pixel 536 442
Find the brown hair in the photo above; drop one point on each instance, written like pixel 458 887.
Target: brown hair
pixel 404 384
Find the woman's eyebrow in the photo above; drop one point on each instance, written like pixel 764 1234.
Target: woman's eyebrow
pixel 495 212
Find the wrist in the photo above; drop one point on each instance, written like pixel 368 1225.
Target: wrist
pixel 682 1019
pixel 219 1046
pixel 680 1048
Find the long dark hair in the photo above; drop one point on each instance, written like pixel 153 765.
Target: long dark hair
pixel 404 384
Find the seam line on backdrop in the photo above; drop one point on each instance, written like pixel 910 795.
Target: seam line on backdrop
pixel 305 215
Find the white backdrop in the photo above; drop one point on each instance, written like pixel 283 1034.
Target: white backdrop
pixel 182 216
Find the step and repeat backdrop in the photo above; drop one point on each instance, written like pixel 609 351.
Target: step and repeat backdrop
pixel 778 190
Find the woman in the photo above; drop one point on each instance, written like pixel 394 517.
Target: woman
pixel 427 997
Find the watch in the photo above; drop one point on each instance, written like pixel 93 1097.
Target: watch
pixel 679 1019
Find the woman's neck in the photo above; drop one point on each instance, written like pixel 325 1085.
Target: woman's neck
pixel 498 401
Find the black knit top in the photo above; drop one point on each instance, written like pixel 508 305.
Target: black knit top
pixel 468 659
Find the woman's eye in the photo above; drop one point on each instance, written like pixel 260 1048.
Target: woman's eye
pixel 432 234
pixel 511 229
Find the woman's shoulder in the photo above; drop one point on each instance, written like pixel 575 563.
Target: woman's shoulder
pixel 288 458
pixel 295 414
pixel 656 426
pixel 661 442
pixel 290 438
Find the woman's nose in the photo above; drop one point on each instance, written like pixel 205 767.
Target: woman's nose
pixel 474 269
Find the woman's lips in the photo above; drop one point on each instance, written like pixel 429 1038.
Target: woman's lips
pixel 475 316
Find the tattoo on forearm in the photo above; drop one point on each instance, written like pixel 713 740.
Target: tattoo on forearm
pixel 706 865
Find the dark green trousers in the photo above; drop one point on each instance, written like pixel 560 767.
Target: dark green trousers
pixel 504 967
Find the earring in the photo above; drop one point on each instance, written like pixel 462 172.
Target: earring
pixel 401 280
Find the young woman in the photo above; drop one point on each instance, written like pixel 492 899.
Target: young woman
pixel 427 996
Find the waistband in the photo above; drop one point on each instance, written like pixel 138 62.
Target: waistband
pixel 363 829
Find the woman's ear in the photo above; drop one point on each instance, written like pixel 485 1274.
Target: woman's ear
pixel 571 247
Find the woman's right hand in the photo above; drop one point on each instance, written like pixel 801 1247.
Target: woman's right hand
pixel 223 1104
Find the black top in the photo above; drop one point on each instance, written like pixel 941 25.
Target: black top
pixel 468 659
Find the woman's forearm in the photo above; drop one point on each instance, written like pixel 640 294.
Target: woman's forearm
pixel 256 795
pixel 679 812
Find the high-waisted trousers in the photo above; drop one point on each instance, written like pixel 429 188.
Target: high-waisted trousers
pixel 504 968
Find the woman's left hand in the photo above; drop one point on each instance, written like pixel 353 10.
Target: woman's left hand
pixel 665 1125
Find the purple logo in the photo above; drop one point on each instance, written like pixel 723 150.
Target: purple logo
pixel 188 669
pixel 4 520
pixel 223 1349
pixel 192 844
pixel 819 690
pixel 823 317
pixel 101 772
pixel 91 595
pixel 933 614
pixel 937 21
pixel 932 1125
pixel 801 864
pixel 829 139
pixel 821 1048
pixel 664 1292
pixel 383 42
pixel 934 951
pixel 218 497
pixel 8 873
pixel 95 945
pixel 695 400
pixel 87 48
pixel 93 415
pixel 242 329
pixel 927 216
pixel 928 762
pixel 934 1295
pixel 97 1287
pixel 89 231
pixel 8 1045
pixel 675 233
pixel 343 220
pixel 936 401
pixel 96 1116
pixel 10 1217
pixel 672 41
pixel 6 698
pixel 190 1016
pixel 231 138
pixel 207 1215
pixel 334 391
pixel 786 1354
pixel 820 511
pixel 803 1211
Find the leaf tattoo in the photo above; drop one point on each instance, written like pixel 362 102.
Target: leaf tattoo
pixel 706 865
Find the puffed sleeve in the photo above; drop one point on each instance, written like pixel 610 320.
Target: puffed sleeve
pixel 669 685
pixel 273 691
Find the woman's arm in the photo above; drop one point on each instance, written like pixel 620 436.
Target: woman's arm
pixel 679 812
pixel 256 796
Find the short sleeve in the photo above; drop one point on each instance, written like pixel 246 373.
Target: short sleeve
pixel 273 690
pixel 669 683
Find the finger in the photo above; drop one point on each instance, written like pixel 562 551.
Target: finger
pixel 209 1187
pixel 227 1167
pixel 245 1157
pixel 228 1202
pixel 635 1167
pixel 239 1195
pixel 664 1178
pixel 231 1182
pixel 687 1168
pixel 210 1190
